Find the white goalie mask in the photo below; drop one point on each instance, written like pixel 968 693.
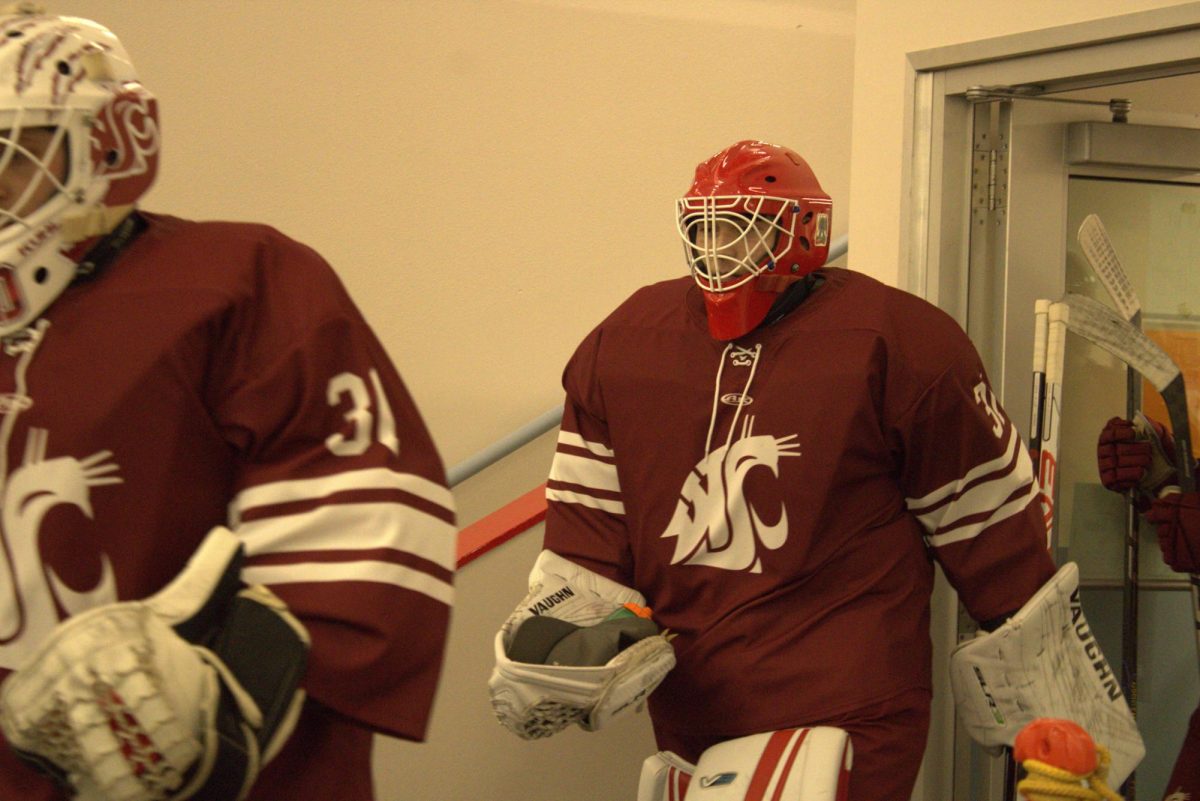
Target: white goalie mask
pixel 79 144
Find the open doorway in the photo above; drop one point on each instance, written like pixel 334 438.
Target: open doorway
pixel 997 195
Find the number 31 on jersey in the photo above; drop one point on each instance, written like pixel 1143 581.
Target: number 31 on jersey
pixel 987 399
pixel 368 414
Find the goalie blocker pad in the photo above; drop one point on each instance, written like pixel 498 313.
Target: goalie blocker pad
pixel 534 699
pixel 184 695
pixel 1044 662
pixel 808 764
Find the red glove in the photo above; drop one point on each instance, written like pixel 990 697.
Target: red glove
pixel 1176 515
pixel 1128 459
pixel 1185 778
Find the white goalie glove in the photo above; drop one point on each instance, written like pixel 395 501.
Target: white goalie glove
pixel 568 654
pixel 1045 662
pixel 184 695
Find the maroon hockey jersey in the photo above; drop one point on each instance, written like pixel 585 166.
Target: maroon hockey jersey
pixel 780 499
pixel 218 373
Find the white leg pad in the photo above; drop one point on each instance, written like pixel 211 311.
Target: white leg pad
pixel 789 765
pixel 665 777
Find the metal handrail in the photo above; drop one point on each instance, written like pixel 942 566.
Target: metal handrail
pixel 498 450
pixel 550 418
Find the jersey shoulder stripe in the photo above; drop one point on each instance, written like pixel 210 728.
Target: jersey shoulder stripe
pixel 570 438
pixel 354 527
pixel 583 499
pixel 1014 505
pixel 585 472
pixel 393 528
pixel 318 489
pixel 375 571
pixel 1002 463
pixel 992 492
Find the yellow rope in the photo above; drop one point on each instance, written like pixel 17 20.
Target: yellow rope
pixel 1047 783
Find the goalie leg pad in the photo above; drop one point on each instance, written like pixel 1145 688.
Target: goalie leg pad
pixel 1044 662
pixel 119 706
pixel 665 777
pixel 811 764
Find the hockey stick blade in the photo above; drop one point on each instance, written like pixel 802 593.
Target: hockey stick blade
pixel 1097 323
pixel 1101 255
pixel 1101 326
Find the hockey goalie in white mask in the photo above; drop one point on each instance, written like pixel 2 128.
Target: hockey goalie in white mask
pixel 80 143
pixel 201 371
pixel 799 606
pixel 133 700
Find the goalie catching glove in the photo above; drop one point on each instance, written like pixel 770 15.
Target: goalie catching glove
pixel 185 695
pixel 1044 662
pixel 572 652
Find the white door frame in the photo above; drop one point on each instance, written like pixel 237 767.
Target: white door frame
pixel 936 186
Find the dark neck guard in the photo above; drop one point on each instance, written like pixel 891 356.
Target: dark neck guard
pixel 107 248
pixel 792 297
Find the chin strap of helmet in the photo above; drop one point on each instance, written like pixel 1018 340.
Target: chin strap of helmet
pixel 792 297
pixel 99 253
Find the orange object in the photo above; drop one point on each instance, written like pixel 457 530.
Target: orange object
pixel 1182 348
pixel 640 611
pixel 1060 743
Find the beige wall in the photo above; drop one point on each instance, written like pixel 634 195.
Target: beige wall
pixel 885 32
pixel 490 177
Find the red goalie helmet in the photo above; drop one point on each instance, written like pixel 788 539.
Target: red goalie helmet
pixel 754 221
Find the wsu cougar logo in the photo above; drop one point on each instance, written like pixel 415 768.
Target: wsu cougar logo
pixel 713 523
pixel 33 597
pixel 33 489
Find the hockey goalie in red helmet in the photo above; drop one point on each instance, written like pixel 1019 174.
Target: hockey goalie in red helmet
pixel 754 221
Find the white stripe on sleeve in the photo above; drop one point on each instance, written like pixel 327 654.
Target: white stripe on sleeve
pixel 988 500
pixel 308 489
pixel 353 526
pixel 1013 507
pixel 603 504
pixel 380 572
pixel 586 472
pixel 575 440
pixel 952 487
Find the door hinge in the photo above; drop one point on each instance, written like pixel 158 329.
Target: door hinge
pixel 990 182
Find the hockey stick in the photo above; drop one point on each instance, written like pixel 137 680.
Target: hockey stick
pixel 1102 256
pixel 1102 326
pixel 1049 409
pixel 1049 338
pixel 1041 312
